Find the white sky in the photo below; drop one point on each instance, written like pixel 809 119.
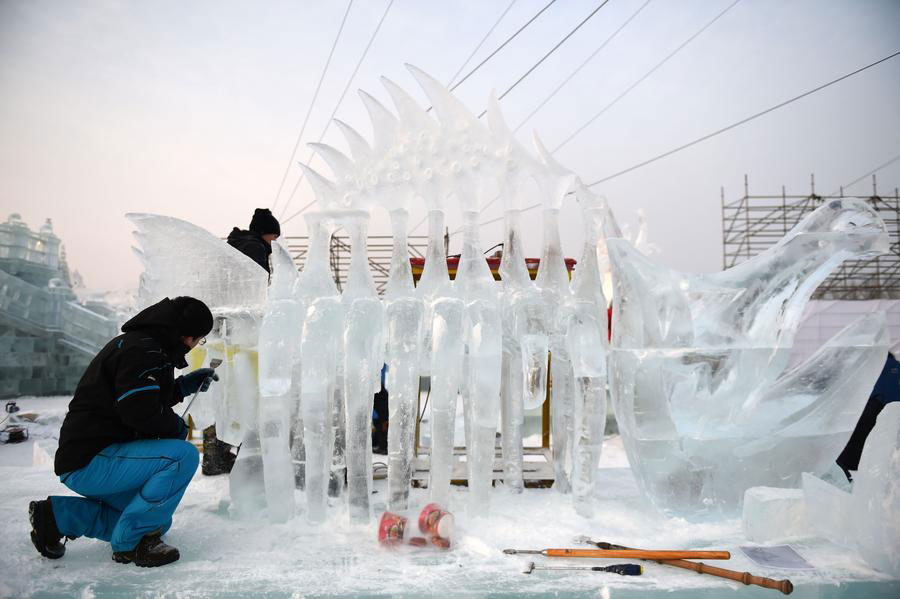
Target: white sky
pixel 192 109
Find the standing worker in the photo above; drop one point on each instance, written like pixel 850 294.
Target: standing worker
pixel 256 242
pixel 122 446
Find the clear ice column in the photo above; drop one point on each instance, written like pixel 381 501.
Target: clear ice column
pixel 484 334
pixel 363 360
pixel 404 313
pixel 553 282
pixel 280 326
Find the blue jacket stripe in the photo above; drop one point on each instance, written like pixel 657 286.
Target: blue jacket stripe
pixel 127 393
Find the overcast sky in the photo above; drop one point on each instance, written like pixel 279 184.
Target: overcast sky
pixel 191 109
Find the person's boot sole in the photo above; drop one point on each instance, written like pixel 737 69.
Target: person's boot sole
pixel 35 539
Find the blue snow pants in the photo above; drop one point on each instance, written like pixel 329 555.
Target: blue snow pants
pixel 130 489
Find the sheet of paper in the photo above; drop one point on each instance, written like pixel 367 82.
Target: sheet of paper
pixel 777 556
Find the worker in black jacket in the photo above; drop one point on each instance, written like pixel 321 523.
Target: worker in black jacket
pixel 122 446
pixel 256 242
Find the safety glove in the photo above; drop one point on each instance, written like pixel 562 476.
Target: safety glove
pixel 198 380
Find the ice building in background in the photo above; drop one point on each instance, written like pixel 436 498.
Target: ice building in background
pixel 47 336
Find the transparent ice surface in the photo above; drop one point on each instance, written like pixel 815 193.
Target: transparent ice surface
pixel 181 258
pixel 771 514
pixel 321 350
pixel 363 360
pixel 482 364
pixel 587 344
pixel 403 313
pixel 701 395
pixel 525 346
pixel 868 519
pixel 281 328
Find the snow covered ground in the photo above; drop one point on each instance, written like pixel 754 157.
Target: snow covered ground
pixel 221 556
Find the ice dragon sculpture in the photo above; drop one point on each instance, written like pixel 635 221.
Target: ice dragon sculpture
pixel 699 383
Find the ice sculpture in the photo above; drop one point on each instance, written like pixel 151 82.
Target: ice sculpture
pixel 525 320
pixel 699 384
pixel 868 519
pixel 363 360
pixel 180 258
pixel 586 338
pixel 320 351
pixel 281 326
pixel 553 282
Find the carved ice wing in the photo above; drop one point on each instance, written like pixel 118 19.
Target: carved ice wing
pixel 181 258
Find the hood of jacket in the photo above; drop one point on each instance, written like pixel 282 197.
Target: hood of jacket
pixel 160 321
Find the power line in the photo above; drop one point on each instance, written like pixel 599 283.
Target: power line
pixel 503 45
pixel 581 66
pixel 340 100
pixel 742 121
pixel 537 64
pixel 287 169
pixel 869 174
pixel 645 75
pixel 481 43
pixel 547 55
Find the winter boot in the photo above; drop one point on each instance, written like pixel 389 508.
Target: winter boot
pixel 44 534
pixel 149 553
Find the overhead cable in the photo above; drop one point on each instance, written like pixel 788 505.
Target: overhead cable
pixel 503 45
pixel 287 169
pixel 581 66
pixel 547 55
pixel 646 75
pixel 869 174
pixel 743 121
pixel 481 43
pixel 340 100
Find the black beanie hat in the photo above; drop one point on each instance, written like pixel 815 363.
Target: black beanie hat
pixel 193 317
pixel 263 222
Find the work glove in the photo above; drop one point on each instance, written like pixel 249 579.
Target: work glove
pixel 198 380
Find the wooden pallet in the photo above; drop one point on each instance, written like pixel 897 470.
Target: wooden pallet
pixel 537 467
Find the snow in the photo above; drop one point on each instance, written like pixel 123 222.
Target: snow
pixel 221 556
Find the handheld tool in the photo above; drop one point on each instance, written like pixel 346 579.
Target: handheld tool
pixel 214 363
pixel 785 586
pixel 622 569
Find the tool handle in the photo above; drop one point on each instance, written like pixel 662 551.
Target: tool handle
pixel 638 554
pixel 623 569
pixel 785 586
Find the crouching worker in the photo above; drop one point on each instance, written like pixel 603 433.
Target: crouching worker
pixel 122 446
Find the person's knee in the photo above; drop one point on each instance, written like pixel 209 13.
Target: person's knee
pixel 189 457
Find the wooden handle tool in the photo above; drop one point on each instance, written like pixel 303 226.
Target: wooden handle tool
pixel 624 553
pixel 785 586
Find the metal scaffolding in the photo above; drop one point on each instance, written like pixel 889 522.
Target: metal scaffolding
pixel 379 249
pixel 753 223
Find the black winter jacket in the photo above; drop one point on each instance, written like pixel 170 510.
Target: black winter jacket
pixel 252 245
pixel 127 391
